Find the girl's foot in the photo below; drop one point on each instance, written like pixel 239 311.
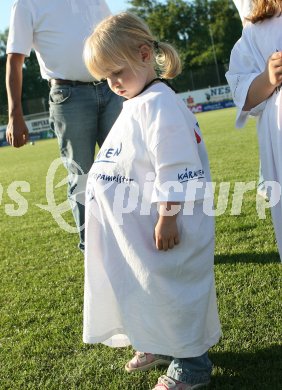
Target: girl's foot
pixel 143 361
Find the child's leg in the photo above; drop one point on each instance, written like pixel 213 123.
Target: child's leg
pixel 186 374
pixel 194 370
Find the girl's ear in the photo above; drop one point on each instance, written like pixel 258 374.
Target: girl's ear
pixel 145 53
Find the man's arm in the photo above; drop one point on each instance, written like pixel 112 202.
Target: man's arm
pixel 17 132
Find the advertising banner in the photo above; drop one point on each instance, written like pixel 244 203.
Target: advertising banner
pixel 212 98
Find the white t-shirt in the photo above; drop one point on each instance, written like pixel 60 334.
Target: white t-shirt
pixel 248 60
pixel 56 29
pixel 244 7
pixel 132 290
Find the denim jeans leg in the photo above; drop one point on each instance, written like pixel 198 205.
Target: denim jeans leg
pixel 74 115
pixel 110 106
pixel 195 370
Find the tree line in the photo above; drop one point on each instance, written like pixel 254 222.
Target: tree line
pixel 203 32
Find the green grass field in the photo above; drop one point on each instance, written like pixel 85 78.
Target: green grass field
pixel 41 289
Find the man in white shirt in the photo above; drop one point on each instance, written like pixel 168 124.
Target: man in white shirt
pixel 82 110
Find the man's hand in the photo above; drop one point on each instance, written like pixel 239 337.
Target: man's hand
pixel 17 132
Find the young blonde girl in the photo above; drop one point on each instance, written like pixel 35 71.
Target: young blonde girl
pixel 255 77
pixel 149 278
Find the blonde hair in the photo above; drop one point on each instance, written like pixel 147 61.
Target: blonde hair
pixel 115 42
pixel 264 9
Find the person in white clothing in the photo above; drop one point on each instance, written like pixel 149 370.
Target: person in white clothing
pixel 82 110
pixel 149 256
pixel 255 77
pixel 244 8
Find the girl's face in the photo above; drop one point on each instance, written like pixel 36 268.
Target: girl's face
pixel 124 82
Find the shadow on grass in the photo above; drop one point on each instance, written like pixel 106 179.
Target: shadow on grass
pixel 248 258
pixel 260 369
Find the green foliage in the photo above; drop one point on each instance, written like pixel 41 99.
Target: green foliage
pixel 3 42
pixel 33 84
pixel 191 26
pixel 41 289
pixel 3 95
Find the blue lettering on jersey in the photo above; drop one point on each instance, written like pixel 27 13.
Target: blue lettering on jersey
pixel 106 155
pixel 190 175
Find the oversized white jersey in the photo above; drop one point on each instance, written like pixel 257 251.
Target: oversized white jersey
pixel 160 302
pixel 248 60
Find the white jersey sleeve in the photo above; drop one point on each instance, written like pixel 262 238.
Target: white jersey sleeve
pixel 245 65
pixel 173 150
pixel 20 38
pixel 244 8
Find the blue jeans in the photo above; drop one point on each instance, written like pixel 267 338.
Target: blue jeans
pixel 193 371
pixel 81 116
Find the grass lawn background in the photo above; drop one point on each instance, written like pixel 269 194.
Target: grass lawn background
pixel 41 288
